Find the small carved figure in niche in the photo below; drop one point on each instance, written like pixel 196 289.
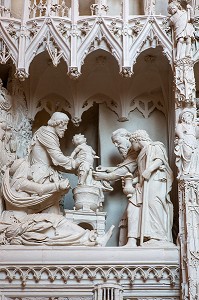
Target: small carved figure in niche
pixel 182 20
pixel 2 150
pixel 10 144
pixel 5 98
pixel 84 156
pixel 186 148
pixel 32 188
pixel 7 147
pixel 154 184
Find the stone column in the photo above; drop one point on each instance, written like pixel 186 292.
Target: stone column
pixel 186 149
pixel 189 236
pixel 108 292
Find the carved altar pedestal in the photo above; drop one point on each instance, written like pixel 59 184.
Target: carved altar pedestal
pixel 88 219
pixel 75 273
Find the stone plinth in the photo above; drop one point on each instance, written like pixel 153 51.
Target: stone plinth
pixel 88 219
pixel 76 272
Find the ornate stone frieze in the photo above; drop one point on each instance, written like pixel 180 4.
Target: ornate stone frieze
pixel 49 298
pixel 67 274
pixel 123 41
pixel 155 298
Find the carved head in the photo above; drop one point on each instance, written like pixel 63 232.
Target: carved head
pixel 173 7
pixel 120 139
pixel 78 139
pixel 59 121
pixel 186 116
pixel 139 138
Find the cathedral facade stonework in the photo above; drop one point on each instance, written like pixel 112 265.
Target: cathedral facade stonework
pixel 99 160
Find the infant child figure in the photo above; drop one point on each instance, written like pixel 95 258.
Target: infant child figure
pixel 84 156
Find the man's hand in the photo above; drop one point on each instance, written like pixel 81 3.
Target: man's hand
pixel 100 175
pixel 64 185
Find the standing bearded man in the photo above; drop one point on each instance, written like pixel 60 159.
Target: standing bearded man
pixel 155 179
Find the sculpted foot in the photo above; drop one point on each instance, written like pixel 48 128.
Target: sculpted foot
pixel 102 241
pixel 131 243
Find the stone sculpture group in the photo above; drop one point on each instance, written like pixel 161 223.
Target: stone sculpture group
pixel 32 188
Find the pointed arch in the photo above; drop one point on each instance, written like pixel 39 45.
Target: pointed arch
pixel 151 31
pixel 99 31
pixel 47 30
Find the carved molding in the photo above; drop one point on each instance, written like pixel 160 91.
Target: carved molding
pixel 81 273
pixel 61 38
pixel 48 298
pixel 188 236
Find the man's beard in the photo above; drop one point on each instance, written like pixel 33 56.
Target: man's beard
pixel 123 151
pixel 60 134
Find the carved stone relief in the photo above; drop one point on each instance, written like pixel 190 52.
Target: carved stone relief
pixel 33 186
pixel 125 41
pixel 169 274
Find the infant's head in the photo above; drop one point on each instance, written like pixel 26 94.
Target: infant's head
pixel 78 139
pixel 173 7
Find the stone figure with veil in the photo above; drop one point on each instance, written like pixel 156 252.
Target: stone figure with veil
pixel 31 190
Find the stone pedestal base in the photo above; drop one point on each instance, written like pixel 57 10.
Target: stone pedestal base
pixel 80 273
pixel 88 219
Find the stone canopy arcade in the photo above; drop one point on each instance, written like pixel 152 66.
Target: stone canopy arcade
pixel 99 149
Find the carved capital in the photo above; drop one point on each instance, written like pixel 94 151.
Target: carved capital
pixel 73 73
pixel 76 120
pixel 126 72
pixel 21 74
